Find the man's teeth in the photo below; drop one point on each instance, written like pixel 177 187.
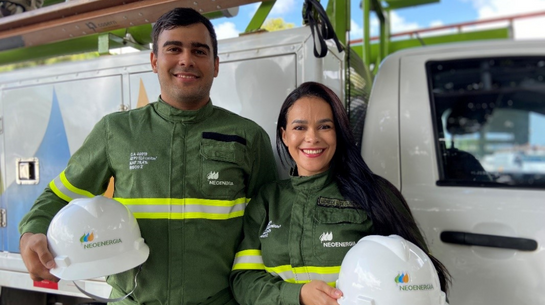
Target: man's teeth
pixel 312 151
pixel 186 76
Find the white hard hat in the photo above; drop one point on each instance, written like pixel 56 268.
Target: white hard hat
pixel 388 270
pixel 94 237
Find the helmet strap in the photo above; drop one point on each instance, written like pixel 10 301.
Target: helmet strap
pixel 101 299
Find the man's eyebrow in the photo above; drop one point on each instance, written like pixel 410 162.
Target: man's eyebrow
pixel 180 44
pixel 200 45
pixel 172 43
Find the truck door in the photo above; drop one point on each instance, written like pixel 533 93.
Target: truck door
pixel 472 152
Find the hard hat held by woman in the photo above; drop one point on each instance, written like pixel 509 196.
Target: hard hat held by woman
pixel 94 237
pixel 387 270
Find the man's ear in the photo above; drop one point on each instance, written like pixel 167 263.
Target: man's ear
pixel 153 60
pixel 216 66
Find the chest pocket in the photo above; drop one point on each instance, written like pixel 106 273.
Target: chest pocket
pixel 222 169
pixel 335 231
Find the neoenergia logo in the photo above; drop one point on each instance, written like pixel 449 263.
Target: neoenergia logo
pixel 402 278
pixel 86 240
pixel 326 236
pixel 213 175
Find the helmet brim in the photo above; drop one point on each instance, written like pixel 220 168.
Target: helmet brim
pixel 104 267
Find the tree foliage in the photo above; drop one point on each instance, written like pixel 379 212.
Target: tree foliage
pixel 276 24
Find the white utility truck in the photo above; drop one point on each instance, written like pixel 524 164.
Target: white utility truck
pixel 436 124
pixel 440 120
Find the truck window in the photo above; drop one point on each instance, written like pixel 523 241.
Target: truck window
pixel 489 118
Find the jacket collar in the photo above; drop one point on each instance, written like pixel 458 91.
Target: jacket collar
pixel 314 182
pixel 173 114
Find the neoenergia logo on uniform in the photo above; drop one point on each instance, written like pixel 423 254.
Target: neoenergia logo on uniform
pixel 326 236
pixel 326 240
pixel 87 238
pixel 213 179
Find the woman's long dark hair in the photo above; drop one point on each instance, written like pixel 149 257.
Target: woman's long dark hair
pixel 355 179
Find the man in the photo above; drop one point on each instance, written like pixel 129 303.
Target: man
pixel 200 166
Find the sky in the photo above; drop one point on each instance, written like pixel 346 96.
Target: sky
pixel 437 13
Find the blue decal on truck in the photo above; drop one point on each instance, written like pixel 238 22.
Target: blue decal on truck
pixel 53 154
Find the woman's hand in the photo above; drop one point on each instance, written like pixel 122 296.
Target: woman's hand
pixel 319 293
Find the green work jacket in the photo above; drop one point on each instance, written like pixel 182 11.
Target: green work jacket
pixel 295 231
pixel 187 176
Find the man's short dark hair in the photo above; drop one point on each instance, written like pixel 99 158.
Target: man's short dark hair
pixel 182 16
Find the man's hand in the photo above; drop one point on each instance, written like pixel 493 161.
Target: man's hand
pixel 319 293
pixel 36 256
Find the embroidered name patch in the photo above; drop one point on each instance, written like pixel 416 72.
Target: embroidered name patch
pixel 335 203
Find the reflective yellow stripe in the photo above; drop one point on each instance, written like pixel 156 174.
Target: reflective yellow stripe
pixel 72 188
pixel 185 208
pixel 279 269
pixel 321 270
pixel 57 192
pixel 187 215
pixel 181 201
pixel 252 260
pixel 251 252
pixel 248 266
pixel 248 260
pixel 65 190
pixel 162 208
pixel 301 275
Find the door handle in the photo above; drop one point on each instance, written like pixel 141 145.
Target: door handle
pixel 486 240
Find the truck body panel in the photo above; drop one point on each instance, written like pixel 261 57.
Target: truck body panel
pixel 485 204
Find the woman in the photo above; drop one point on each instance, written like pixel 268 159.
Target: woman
pixel 297 231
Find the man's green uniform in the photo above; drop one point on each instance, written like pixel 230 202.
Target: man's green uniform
pixel 295 231
pixel 187 177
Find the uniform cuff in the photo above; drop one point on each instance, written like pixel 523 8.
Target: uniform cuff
pixel 290 293
pixel 35 227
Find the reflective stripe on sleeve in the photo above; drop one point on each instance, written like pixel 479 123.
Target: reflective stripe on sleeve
pixel 65 190
pixel 248 260
pixel 184 208
pixel 301 275
pixel 252 260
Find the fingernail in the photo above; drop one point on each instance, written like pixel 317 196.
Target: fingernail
pixel 50 264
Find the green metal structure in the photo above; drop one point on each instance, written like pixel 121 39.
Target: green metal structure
pixel 139 37
pixel 260 16
pixel 376 54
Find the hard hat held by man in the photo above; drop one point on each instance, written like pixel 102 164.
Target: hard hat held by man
pixel 95 237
